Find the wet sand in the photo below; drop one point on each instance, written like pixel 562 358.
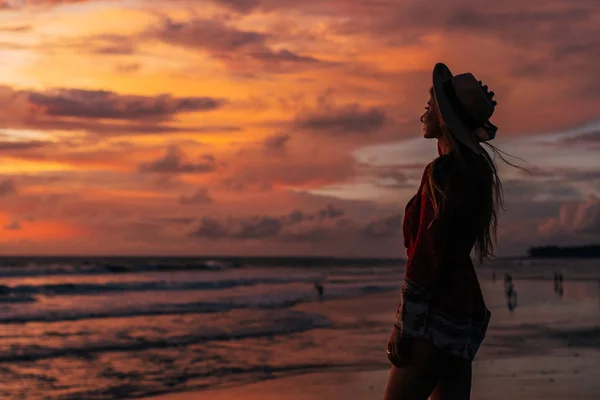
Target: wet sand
pixel 548 348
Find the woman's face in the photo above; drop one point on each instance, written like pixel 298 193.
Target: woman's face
pixel 430 120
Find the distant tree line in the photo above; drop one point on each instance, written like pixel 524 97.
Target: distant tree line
pixel 556 251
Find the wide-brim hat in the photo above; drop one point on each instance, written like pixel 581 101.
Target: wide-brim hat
pixel 465 107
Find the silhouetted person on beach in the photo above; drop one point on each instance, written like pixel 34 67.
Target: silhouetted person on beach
pixel 511 293
pixel 442 317
pixel 320 290
pixel 494 277
pixel 558 284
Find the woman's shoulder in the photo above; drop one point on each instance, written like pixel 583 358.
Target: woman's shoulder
pixel 460 171
pixel 443 168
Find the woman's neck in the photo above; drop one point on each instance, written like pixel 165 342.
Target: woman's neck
pixel 443 146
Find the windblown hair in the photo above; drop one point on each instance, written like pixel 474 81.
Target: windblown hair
pixel 489 190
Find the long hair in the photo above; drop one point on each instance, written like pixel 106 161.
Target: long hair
pixel 489 190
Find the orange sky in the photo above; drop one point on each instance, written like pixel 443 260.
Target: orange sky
pixel 280 126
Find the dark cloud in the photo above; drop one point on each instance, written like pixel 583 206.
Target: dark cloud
pixel 7 187
pixel 89 110
pixel 325 232
pixel 14 226
pixel 526 190
pixel 326 224
pixel 245 182
pixel 277 141
pixel 173 163
pixel 211 35
pixel 350 119
pixel 176 220
pixel 201 196
pixel 384 227
pixel 245 52
pixel 330 212
pixel 522 209
pixel 23 145
pixel 264 226
pixel 210 228
pixel 101 104
pixel 257 227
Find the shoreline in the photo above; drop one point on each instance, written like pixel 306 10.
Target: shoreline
pixel 518 359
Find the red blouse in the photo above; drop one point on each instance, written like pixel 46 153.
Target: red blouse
pixel 441 299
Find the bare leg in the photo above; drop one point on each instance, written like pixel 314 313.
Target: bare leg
pixel 455 381
pixel 419 375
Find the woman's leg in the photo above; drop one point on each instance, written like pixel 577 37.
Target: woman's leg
pixel 418 375
pixel 455 381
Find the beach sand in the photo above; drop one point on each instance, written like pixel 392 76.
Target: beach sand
pixel 549 350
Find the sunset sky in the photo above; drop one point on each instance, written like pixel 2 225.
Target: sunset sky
pixel 281 127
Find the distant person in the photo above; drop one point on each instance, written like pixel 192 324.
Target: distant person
pixel 442 317
pixel 559 285
pixel 511 293
pixel 320 290
pixel 507 280
pixel 494 277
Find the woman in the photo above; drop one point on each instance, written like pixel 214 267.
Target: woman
pixel 442 317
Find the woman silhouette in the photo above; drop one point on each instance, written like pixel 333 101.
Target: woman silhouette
pixel 442 317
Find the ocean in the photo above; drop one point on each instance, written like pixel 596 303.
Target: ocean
pixel 124 328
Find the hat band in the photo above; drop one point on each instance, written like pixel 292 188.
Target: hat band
pixel 457 106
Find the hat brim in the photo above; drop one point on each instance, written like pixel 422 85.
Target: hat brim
pixel 441 74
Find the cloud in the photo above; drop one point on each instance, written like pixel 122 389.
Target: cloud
pixel 349 119
pixel 243 6
pixel 23 3
pixel 564 174
pixel 384 227
pixel 326 224
pixel 330 212
pixel 243 51
pixel 210 228
pixel 263 226
pixel 16 28
pixel 23 145
pixel 392 176
pixel 7 187
pixel 14 226
pixel 201 196
pixel 89 110
pixel 245 182
pixel 102 44
pixel 589 139
pixel 102 104
pixel 276 141
pixel 576 217
pixel 527 190
pixel 172 163
pixel 128 68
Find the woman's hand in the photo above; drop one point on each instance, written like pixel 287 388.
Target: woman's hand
pixel 396 348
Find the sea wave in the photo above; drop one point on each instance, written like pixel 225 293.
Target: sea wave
pixel 279 323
